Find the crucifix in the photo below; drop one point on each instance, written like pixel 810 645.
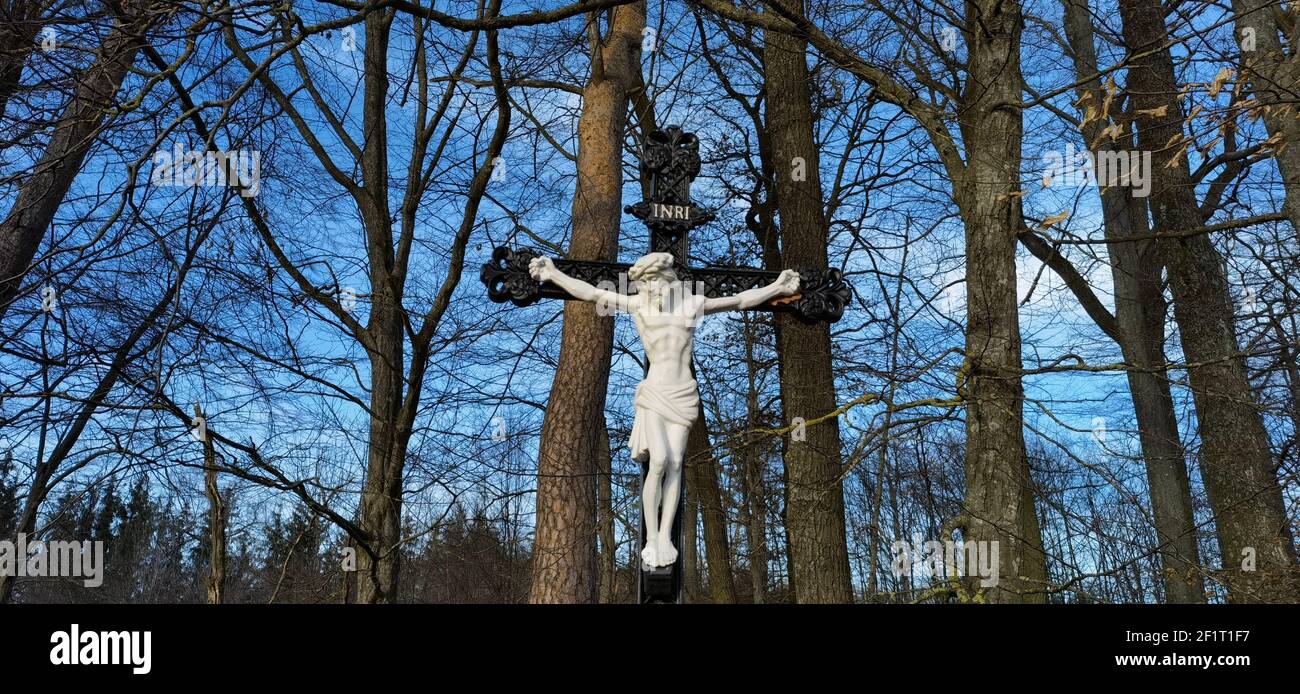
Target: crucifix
pixel 667 298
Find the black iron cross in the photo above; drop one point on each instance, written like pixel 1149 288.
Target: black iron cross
pixel 670 161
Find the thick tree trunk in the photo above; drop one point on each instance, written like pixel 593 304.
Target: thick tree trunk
pixel 999 492
pixel 703 470
pixel 1236 459
pixel 1140 312
pixel 380 515
pixel 41 194
pixel 380 512
pixel 564 549
pixel 814 495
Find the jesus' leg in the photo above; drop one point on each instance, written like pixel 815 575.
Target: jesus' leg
pixel 676 436
pixel 651 491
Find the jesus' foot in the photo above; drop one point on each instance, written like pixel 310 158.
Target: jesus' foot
pixel 666 552
pixel 650 555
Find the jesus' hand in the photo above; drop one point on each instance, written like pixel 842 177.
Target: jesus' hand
pixel 542 269
pixel 787 283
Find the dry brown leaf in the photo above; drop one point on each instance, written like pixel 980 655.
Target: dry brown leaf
pixel 1054 219
pixel 1089 114
pixel 1216 85
pixel 1113 131
pixel 1177 158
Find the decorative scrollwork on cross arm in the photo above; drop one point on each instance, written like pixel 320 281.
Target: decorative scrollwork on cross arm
pixel 507 277
pixel 822 296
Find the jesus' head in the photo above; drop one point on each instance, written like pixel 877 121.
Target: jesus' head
pixel 655 275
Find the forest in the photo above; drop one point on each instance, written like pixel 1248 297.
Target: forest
pixel 245 345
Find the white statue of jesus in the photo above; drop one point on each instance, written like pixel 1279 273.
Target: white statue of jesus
pixel 666 313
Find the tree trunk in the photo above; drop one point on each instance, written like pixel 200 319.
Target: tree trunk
pixel 564 550
pixel 1274 77
pixel 380 512
pixel 605 513
pixel 814 495
pixel 216 578
pixel 22 20
pixel 753 491
pixel 1140 311
pixel 1236 460
pixel 703 470
pixel 1287 355
pixel 877 498
pixel 36 493
pixel 689 550
pixel 999 492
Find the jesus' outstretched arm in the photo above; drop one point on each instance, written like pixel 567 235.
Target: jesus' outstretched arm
pixel 543 269
pixel 786 283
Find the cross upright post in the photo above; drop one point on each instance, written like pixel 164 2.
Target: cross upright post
pixel 669 162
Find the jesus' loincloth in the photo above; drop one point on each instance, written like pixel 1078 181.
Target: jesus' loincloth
pixel 677 403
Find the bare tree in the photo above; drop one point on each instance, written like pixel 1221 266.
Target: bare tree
pixel 564 552
pixel 1236 457
pixel 814 513
pixel 1138 325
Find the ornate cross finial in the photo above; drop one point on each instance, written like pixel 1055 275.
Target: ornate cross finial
pixel 670 161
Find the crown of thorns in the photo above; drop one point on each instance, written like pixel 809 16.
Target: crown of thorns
pixel 652 264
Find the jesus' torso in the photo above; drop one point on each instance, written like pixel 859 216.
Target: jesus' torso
pixel 668 335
